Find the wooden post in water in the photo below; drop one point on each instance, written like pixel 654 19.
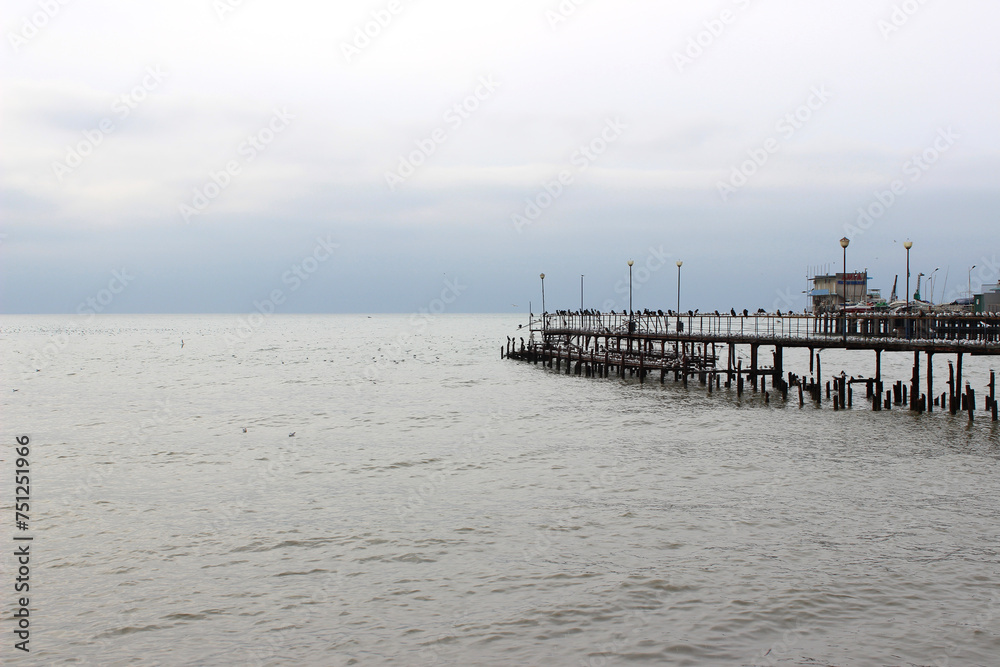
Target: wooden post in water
pixel 915 388
pixel 930 381
pixel 993 396
pixel 642 364
pixel 753 366
pixel 819 379
pixel 739 378
pixel 970 401
pixel 958 374
pixel 952 391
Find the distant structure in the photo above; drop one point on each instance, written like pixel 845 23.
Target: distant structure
pixel 989 301
pixel 832 291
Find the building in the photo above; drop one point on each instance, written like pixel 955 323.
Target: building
pixel 989 300
pixel 828 291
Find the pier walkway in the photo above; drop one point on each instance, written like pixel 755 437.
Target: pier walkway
pixel 686 345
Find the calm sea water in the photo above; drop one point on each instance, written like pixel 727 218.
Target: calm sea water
pixel 439 506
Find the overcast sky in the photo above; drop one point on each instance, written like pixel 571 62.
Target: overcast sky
pixel 201 155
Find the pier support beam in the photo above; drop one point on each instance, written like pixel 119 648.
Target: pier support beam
pixel 958 378
pixel 915 383
pixel 930 382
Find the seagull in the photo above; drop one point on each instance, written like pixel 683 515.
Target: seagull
pixel 292 434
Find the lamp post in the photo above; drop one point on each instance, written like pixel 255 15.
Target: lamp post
pixel 844 242
pixel 970 280
pixel 581 294
pixel 630 263
pixel 542 276
pixel 932 282
pixel 679 264
pixel 908 245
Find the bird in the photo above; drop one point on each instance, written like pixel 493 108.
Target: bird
pixel 716 313
pixel 244 429
pixel 292 434
pixel 182 342
pixel 779 313
pixel 745 312
pixel 732 311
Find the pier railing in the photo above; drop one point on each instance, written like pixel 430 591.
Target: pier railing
pixel 835 329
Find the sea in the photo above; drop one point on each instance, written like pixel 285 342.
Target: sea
pixel 386 490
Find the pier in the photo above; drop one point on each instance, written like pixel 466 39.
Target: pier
pixel 689 347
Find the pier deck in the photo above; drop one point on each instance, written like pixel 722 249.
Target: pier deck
pixel 598 344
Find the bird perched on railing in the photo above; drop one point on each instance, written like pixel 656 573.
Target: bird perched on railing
pixel 746 313
pixel 732 311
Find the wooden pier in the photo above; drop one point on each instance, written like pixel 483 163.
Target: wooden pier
pixel 688 347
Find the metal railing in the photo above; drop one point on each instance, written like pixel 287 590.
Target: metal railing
pixel 823 328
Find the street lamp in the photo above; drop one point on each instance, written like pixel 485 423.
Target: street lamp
pixel 970 280
pixel 630 263
pixel 908 245
pixel 679 264
pixel 932 282
pixel 844 242
pixel 542 276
